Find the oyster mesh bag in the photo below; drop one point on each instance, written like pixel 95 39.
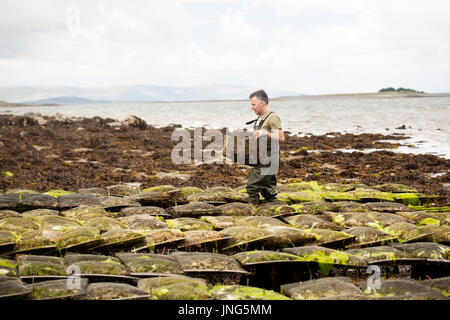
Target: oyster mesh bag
pixel 440 284
pixel 407 232
pixel 369 236
pixel 57 289
pixel 143 221
pixel 79 236
pixel 307 221
pixel 222 222
pixel 114 291
pixel 8 268
pixel 252 257
pixel 175 288
pixel 424 250
pixel 150 263
pixel 193 209
pixel 13 287
pixel 156 237
pixel 236 209
pixel 238 292
pixel 404 289
pixel 197 237
pixel 38 239
pixel 321 288
pixel 284 236
pixel 242 235
pixel 18 224
pixel 104 224
pixel 261 222
pixel 6 237
pixel 31 266
pixel 439 234
pixel 202 261
pixel 186 224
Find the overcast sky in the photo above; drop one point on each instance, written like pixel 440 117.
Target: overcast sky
pixel 310 47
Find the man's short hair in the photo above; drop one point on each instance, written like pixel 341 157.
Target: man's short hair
pixel 261 95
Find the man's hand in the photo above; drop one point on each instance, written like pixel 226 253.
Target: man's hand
pixel 260 133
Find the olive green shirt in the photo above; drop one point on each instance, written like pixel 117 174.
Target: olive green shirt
pixel 273 122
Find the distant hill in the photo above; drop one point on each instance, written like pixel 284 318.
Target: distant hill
pixel 65 100
pixel 399 90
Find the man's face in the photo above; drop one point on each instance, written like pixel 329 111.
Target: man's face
pixel 257 105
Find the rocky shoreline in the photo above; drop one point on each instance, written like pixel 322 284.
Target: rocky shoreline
pixel 42 153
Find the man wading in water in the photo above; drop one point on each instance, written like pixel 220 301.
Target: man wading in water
pixel 262 179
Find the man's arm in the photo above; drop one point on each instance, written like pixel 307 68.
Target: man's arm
pixel 276 134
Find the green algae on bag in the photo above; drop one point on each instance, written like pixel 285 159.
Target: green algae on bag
pixel 284 236
pixel 236 209
pixel 307 221
pixel 186 224
pixel 143 222
pixel 377 254
pixel 161 236
pixel 150 264
pixel 180 291
pixel 196 238
pixel 57 290
pixel 405 289
pixel 243 235
pixel 366 236
pixel 440 284
pixel 8 268
pixel 114 291
pixel 104 224
pixel 314 207
pixel 386 206
pixel 203 261
pixel 349 206
pixel 439 234
pixel 274 210
pixel 84 212
pixel 261 222
pixel 332 287
pixel 119 237
pixel 36 266
pixel 117 203
pixel 9 213
pixel 222 222
pixel 263 256
pixel 407 232
pixel 39 239
pixel 151 210
pixel 40 212
pixel 83 237
pixel 329 237
pixel 57 223
pixel 422 218
pixel 7 238
pixel 13 288
pixel 193 209
pixel 424 250
pixel 238 292
pixel 18 225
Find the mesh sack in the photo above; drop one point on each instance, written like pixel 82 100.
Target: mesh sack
pixel 307 221
pixel 199 261
pixel 314 207
pixel 222 222
pixel 143 222
pixel 186 224
pixel 284 236
pixel 159 236
pixel 8 268
pixel 106 267
pixel 40 212
pixel 238 292
pixel 405 289
pixel 299 197
pixel 386 206
pixel 56 289
pixel 30 265
pixel 423 218
pixel 104 224
pixel 38 239
pixel 78 236
pixel 385 219
pixel 85 212
pixel 326 256
pixel 6 237
pixel 114 291
pixel 40 201
pixel 151 210
pixel 10 287
pixel 180 291
pixel 236 209
pixel 121 236
pixel 243 234
pixel 122 190
pixel 369 236
pixel 424 250
pixel 18 225
pixel 206 196
pixel 274 210
pixel 394 187
pixel 149 284
pixel 324 236
pixel 72 258
pixel 150 198
pixel 9 213
pixel 150 263
pixel 112 202
pixel 440 284
pixel 57 223
pixel 261 222
pixel 338 187
pixel 321 288
pixel 374 254
pixel 350 206
pixel 193 209
pixel 440 234
pixel 407 232
pixel 195 237
pixel 251 257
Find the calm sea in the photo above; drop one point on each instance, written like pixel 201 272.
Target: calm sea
pixel 426 119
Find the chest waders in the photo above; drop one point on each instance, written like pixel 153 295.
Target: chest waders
pixel 258 183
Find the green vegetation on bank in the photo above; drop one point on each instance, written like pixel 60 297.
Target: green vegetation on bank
pixel 399 90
